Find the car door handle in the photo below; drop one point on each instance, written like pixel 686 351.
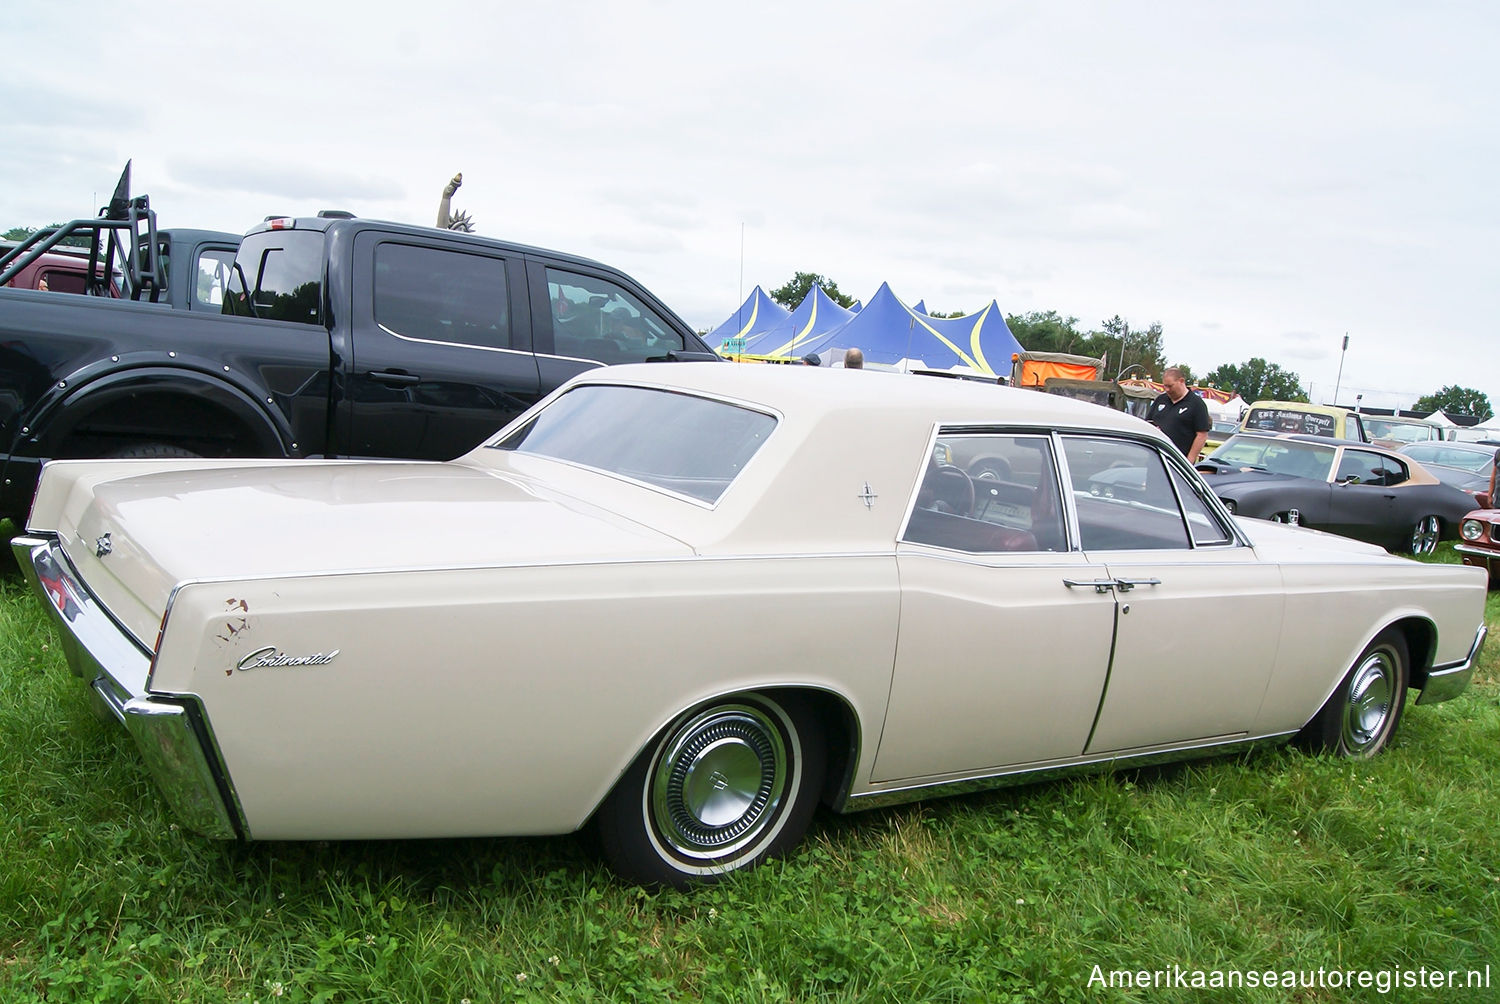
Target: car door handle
pixel 1126 585
pixel 1100 585
pixel 395 378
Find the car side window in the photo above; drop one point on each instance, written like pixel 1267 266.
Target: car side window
pixel 215 266
pixel 1361 467
pixel 1124 496
pixel 593 318
pixel 987 493
pixel 1203 522
pixel 436 295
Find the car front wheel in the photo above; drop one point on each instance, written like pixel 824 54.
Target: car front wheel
pixel 1360 718
pixel 724 787
pixel 1425 535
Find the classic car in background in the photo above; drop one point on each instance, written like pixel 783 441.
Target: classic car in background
pixel 1352 489
pixel 1470 466
pixel 686 604
pixel 1479 534
pixel 1221 430
pixel 1298 417
pixel 1394 433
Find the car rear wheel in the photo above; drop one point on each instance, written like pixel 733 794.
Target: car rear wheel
pixel 724 787
pixel 1425 535
pixel 1361 717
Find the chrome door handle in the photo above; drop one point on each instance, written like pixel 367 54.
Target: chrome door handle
pixel 1126 585
pixel 1100 585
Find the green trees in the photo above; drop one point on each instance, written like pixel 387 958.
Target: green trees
pixel 1049 331
pixel 1456 400
pixel 21 233
pixel 1258 380
pixel 800 284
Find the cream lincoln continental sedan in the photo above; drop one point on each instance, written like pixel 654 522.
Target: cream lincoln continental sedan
pixel 686 603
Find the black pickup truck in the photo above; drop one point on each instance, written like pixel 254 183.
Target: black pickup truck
pixel 334 337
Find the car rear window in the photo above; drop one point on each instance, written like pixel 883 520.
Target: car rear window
pixel 278 274
pixel 684 444
pixel 1292 420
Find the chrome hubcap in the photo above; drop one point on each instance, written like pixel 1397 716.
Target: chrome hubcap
pixel 719 781
pixel 1425 537
pixel 1371 693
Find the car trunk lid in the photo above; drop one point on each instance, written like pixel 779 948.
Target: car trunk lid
pixel 133 539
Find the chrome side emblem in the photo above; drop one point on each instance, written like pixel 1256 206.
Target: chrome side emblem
pixel 271 657
pixel 868 496
pixel 102 546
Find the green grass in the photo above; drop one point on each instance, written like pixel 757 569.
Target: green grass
pixel 1273 862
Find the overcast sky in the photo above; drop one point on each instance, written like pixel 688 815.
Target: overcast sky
pixel 1259 178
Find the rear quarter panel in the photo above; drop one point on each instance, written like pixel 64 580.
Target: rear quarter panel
pixel 502 700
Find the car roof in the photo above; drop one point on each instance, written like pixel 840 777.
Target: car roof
pixel 1453 444
pixel 1316 409
pixel 805 392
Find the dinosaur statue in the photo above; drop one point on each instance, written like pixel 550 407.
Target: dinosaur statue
pixel 447 220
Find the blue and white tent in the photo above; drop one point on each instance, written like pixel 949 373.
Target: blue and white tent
pixel 890 333
pixel 814 317
pixel 757 314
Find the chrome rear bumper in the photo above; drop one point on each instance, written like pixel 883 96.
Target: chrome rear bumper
pixel 170 730
pixel 1447 682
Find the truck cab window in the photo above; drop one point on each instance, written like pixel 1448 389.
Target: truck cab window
pixel 284 270
pixel 593 318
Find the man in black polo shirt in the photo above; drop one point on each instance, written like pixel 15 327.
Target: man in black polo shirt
pixel 1181 414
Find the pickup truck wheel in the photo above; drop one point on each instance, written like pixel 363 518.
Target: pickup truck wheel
pixel 724 787
pixel 150 451
pixel 1360 718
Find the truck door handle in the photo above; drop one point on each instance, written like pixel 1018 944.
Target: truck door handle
pixel 1126 585
pixel 395 378
pixel 1100 585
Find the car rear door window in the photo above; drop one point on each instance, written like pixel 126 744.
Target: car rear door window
pixel 987 493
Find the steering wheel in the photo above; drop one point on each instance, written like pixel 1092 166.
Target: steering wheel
pixel 954 487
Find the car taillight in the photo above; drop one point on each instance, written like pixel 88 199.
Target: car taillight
pixel 1471 529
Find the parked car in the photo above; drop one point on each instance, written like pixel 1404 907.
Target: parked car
pixel 685 604
pixel 1476 486
pixel 1353 489
pixel 1476 458
pixel 1307 419
pixel 1479 542
pixel 1394 433
pixel 312 337
pixel 1222 429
